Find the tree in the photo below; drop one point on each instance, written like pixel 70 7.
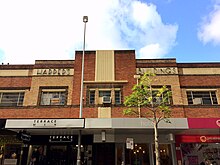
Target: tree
pixel 155 101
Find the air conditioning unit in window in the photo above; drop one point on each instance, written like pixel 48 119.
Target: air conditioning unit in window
pixel 197 101
pixel 106 99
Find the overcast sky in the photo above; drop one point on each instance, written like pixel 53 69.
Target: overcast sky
pixel 53 29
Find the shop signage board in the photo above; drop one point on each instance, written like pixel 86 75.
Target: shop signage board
pixel 130 143
pixel 203 123
pixel 60 138
pixel 198 139
pixel 44 123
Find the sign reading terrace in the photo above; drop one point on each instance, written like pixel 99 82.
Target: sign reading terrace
pixel 44 122
pixel 60 138
pixel 53 72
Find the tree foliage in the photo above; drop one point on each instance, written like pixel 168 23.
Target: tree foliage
pixel 156 100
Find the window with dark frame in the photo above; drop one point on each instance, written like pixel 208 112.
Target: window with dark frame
pixel 53 97
pixel 11 99
pixel 202 98
pixel 105 93
pixel 158 99
pixel 92 97
pixel 118 97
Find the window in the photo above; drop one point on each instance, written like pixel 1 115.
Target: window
pixel 202 97
pixel 117 97
pixel 92 97
pixel 11 99
pixel 105 97
pixel 104 93
pixel 159 99
pixel 53 97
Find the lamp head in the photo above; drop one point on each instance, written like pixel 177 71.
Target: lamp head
pixel 85 19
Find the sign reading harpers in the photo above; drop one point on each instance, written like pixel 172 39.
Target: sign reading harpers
pixel 53 72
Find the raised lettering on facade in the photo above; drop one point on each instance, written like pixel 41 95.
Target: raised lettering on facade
pixel 167 70
pixel 53 72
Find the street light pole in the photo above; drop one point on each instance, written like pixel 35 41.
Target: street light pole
pixel 139 108
pixel 85 20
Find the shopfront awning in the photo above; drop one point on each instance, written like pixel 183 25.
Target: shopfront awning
pixel 134 123
pixel 204 123
pixel 116 125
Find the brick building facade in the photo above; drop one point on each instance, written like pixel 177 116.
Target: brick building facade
pixel 42 101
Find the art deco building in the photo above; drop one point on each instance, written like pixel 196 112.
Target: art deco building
pixel 40 106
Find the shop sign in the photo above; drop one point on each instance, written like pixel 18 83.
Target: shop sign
pixel 218 122
pixel 210 139
pixel 199 139
pixel 23 135
pixel 166 70
pixel 44 122
pixel 203 123
pixel 130 143
pixel 60 138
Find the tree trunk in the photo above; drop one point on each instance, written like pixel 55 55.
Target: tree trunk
pixel 156 141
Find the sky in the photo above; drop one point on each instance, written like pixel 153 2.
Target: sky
pixel 188 30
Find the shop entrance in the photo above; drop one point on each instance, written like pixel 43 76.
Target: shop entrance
pixel 52 154
pixel 61 154
pixel 104 153
pixel 60 150
pixel 138 156
pixel 165 154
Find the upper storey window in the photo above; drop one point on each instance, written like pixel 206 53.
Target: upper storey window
pixel 11 99
pixel 53 97
pixel 117 97
pixel 163 98
pixel 97 96
pixel 202 98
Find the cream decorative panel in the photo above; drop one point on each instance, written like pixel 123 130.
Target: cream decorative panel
pixel 104 112
pixel 14 72
pixel 104 69
pixel 200 71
